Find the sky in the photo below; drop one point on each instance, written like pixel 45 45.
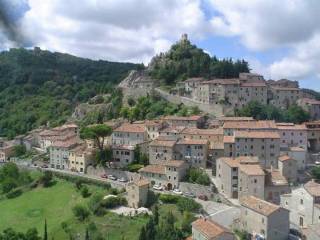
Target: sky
pixel 279 39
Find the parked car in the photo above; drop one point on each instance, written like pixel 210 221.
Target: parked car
pixel 157 187
pixel 45 166
pixel 104 175
pixel 189 194
pixel 203 197
pixel 177 191
pixel 295 234
pixel 111 177
pixel 317 162
pixel 123 179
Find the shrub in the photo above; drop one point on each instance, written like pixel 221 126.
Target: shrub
pixel 8 184
pixel 46 179
pixel 94 204
pixel 198 176
pixel 134 167
pixel 85 192
pixel 112 202
pixel 80 212
pixel 187 204
pixel 168 198
pixel 19 150
pixel 14 193
pixel 78 184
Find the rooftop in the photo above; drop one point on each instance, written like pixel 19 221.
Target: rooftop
pixel 162 143
pixel 266 124
pixel 158 169
pixel 256 204
pixel 187 141
pixel 198 131
pixel 174 163
pixel 225 119
pixel 230 81
pixel 134 128
pixel 310 101
pixel 285 88
pixel 313 188
pixel 141 182
pixel 180 118
pixel 228 139
pixel 256 134
pixel 253 84
pixel 275 178
pixel 209 228
pixel 297 149
pixel 251 169
pixel 291 126
pixel 285 158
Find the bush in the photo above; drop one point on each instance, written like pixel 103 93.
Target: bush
pixel 8 184
pixel 187 204
pixel 78 184
pixel 134 167
pixel 14 193
pixel 94 204
pixel 19 150
pixel 198 176
pixel 46 179
pixel 168 198
pixel 85 192
pixel 80 212
pixel 112 202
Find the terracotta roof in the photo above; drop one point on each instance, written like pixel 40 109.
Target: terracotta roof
pixel 275 178
pixel 141 182
pixel 285 158
pixel 253 84
pixel 285 88
pixel 198 131
pixel 163 143
pixel 65 144
pixel 266 124
pixel 248 159
pixel 236 119
pixel 313 188
pixel 228 139
pixel 256 204
pixel 231 162
pixel 230 81
pixel 174 163
pixel 291 126
pixel 252 169
pixel 158 169
pixel 181 118
pixel 209 228
pixel 134 128
pixel 153 122
pixel 187 141
pixel 173 129
pixel 297 149
pixel 310 101
pixel 197 79
pixel 256 134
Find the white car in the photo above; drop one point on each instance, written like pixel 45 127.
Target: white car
pixel 157 187
pixel 123 179
pixel 317 162
pixel 111 177
pixel 177 191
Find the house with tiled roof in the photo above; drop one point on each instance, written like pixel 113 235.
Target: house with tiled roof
pixel 137 193
pixel 6 150
pixel 304 204
pixel 264 219
pixel 206 229
pixel 312 106
pixel 80 157
pixel 288 167
pixel 264 144
pixel 188 121
pixel 167 174
pixel 292 135
pixel 230 127
pixel 313 129
pixel 275 185
pixel 129 134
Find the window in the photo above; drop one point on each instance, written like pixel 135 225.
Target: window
pixel 301 201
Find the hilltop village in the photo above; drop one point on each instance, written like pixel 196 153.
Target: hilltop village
pixel 259 178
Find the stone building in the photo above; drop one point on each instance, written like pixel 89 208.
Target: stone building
pixel 283 97
pixel 313 130
pixel 206 229
pixel 80 158
pixel 137 193
pixel 6 150
pixel 292 135
pixel 122 155
pixel 312 106
pixel 303 203
pixel 275 185
pixel 190 121
pixel 288 168
pixel 129 134
pixel 264 219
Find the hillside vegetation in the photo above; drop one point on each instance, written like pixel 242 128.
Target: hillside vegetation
pixel 38 86
pixel 185 60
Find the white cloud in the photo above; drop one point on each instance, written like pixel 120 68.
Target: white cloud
pixel 122 30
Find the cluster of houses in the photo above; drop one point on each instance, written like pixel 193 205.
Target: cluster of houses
pixel 254 162
pixel 238 92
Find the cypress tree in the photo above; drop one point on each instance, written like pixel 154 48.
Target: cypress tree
pixel 142 235
pixel 45 236
pixel 87 234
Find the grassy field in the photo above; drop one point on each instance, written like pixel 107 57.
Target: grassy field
pixel 55 204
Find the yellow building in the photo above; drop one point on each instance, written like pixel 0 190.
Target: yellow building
pixel 79 158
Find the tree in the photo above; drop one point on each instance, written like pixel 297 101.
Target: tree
pixel 45 235
pixel 80 212
pixel 187 219
pixel 156 215
pixel 87 234
pixel 46 179
pixel 150 230
pixel 142 235
pixel 97 132
pixel 316 173
pixel 19 150
pixel 85 192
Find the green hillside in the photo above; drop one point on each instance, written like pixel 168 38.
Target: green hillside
pixel 38 86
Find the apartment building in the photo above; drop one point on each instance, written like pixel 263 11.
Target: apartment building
pixel 292 135
pixel 313 131
pixel 288 168
pixel 275 185
pixel 153 128
pixel 251 180
pixel 230 126
pixel 80 157
pixel 206 229
pixel 129 134
pixel 6 150
pixel 62 133
pixel 312 106
pixel 264 219
pixel 168 174
pixel 192 151
pixel 161 150
pixel 283 97
pixel 252 91
pixel 172 132
pixel 122 155
pixel 59 152
pixel 265 145
pixel 299 154
pixel 137 193
pixel 229 171
pixel 191 84
pixel 212 135
pixel 303 204
pixel 190 121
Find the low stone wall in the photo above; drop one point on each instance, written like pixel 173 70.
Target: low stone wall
pixel 216 110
